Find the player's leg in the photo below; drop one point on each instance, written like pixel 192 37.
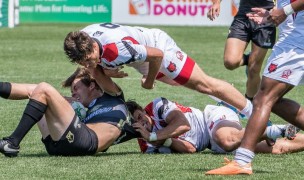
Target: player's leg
pixel 282 146
pixel 236 43
pixel 59 112
pixel 203 83
pixel 255 63
pixel 16 91
pixel 234 53
pixel 294 114
pixel 44 99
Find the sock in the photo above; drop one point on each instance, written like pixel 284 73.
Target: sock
pixel 247 111
pixel 243 156
pixel 33 112
pixel 5 89
pixel 274 131
pixel 246 59
pixel 249 98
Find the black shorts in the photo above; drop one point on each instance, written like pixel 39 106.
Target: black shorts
pixel 78 140
pixel 263 35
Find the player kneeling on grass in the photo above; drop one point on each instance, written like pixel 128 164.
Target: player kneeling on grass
pixel 63 133
pixel 166 126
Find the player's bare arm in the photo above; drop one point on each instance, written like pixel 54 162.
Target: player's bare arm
pixel 104 82
pixel 154 57
pixel 115 73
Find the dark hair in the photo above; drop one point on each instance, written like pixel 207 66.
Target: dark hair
pixel 82 74
pixel 133 106
pixel 77 45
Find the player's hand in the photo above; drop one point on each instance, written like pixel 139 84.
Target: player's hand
pixel 277 16
pixel 145 84
pixel 142 130
pixel 214 11
pixel 115 73
pixel 259 15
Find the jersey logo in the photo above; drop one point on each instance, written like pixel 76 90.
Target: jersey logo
pixel 97 33
pixel 70 137
pixel 286 74
pixel 110 52
pixel 179 55
pixel 272 68
pixel 172 67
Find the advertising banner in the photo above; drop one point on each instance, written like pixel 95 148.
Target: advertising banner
pixel 171 12
pixel 65 11
pixel 3 13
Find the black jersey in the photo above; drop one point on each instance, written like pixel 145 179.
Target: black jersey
pixel 246 5
pixel 112 110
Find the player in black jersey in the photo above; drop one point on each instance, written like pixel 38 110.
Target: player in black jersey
pixel 241 32
pixel 107 121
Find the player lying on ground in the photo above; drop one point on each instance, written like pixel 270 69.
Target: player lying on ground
pixel 153 52
pixel 163 123
pixel 63 133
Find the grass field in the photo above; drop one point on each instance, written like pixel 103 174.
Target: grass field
pixel 32 53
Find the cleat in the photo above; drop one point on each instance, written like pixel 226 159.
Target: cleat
pixel 8 149
pixel 290 131
pixel 231 168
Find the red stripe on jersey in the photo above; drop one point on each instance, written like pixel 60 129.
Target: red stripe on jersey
pixel 186 72
pixel 110 52
pixel 130 39
pixel 142 145
pixel 149 109
pixel 159 75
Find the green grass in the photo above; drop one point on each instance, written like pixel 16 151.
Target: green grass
pixel 33 53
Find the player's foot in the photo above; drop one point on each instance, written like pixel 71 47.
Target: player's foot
pixel 290 131
pixel 231 168
pixel 8 149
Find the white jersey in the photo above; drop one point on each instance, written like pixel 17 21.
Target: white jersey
pixel 286 62
pixel 291 31
pixel 125 45
pixel 121 44
pixel 160 108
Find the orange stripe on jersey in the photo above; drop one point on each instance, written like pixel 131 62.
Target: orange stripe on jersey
pixel 186 72
pixel 110 52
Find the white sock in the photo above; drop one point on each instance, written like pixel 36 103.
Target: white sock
pixel 243 156
pixel 247 111
pixel 274 131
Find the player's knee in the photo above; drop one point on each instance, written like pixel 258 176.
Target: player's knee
pixel 43 88
pixel 231 65
pixel 227 145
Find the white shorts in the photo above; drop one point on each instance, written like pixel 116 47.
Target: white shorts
pixel 286 64
pixel 214 115
pixel 176 64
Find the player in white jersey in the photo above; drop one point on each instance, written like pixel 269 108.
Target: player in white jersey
pixel 284 71
pixel 163 123
pixel 153 53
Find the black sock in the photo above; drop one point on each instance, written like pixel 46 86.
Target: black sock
pixel 249 98
pixel 5 89
pixel 33 112
pixel 246 59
